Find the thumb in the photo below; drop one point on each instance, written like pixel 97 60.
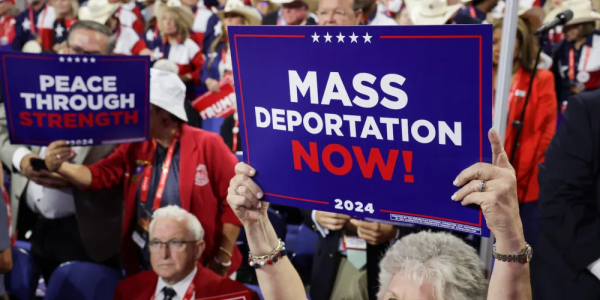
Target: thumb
pixel 500 158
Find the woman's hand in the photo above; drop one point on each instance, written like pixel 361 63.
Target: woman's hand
pixel 244 196
pixel 212 86
pixel 497 197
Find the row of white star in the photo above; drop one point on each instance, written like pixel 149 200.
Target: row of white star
pixel 76 59
pixel 340 37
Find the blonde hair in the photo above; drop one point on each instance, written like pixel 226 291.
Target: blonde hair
pixel 183 19
pixel 74 7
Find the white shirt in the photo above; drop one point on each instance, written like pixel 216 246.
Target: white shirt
pixel 50 203
pixel 180 288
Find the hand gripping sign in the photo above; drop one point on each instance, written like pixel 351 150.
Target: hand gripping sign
pixel 373 122
pixel 86 100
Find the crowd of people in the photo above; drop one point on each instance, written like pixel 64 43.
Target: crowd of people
pixel 169 210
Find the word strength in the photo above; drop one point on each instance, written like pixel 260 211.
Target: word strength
pixel 83 97
pixel 356 126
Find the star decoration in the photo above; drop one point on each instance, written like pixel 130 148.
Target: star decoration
pixel 92 60
pixel 77 59
pixel 59 30
pixel 367 38
pixel 353 38
pixel 85 59
pixel 340 38
pixel 327 38
pixel 315 37
pixel 69 59
pixel 26 24
pixel 61 59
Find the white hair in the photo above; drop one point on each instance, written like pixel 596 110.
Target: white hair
pixel 179 214
pixel 450 265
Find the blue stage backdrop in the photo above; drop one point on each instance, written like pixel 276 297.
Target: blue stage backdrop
pixel 86 100
pixel 374 122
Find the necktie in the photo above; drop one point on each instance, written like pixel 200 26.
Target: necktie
pixel 169 293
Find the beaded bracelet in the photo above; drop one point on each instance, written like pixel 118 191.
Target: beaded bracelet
pixel 271 258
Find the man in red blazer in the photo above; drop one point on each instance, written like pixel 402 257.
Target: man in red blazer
pixel 176 244
pixel 180 165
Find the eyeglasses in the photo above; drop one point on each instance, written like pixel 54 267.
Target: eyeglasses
pixel 174 245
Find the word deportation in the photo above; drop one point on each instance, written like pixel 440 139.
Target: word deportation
pixel 104 98
pixel 422 131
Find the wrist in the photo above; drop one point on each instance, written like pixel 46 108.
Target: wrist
pixel 261 236
pixel 510 243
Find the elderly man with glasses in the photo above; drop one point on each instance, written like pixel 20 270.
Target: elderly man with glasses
pixel 176 244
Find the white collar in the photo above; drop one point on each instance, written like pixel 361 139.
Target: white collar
pixel 180 287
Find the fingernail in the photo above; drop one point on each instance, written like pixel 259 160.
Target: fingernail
pixel 455 182
pixel 259 205
pixel 453 197
pixel 259 195
pixel 252 172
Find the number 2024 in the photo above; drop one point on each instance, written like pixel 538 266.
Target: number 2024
pixel 356 206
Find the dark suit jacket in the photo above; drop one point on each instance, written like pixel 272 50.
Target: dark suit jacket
pixel 271 19
pixel 208 284
pixel 570 206
pixel 325 264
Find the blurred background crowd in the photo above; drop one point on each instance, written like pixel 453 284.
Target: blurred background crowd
pixel 56 232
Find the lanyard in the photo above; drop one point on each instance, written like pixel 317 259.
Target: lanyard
pixel 472 11
pixel 572 62
pixel 235 130
pixel 163 176
pixel 224 55
pixel 188 294
pixel 31 20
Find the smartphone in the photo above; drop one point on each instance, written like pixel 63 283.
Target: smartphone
pixel 38 164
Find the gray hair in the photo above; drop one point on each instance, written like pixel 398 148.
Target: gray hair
pixel 450 265
pixel 96 27
pixel 175 212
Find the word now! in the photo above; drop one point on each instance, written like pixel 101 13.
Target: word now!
pixel 367 166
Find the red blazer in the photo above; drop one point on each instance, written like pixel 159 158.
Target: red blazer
pixel 206 167
pixel 539 128
pixel 208 284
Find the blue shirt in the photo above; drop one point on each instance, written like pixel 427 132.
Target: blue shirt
pixel 170 194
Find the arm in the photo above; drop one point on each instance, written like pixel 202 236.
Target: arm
pixel 277 281
pixel 499 204
pixel 104 174
pixel 567 202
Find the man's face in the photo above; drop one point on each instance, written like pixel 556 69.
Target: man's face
pixel 338 12
pixel 294 13
pixel 173 263
pixel 402 287
pixel 85 41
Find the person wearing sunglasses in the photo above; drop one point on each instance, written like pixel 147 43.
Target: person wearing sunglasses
pixel 176 244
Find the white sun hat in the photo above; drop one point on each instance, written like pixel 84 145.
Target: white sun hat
pixel 237 6
pixel 98 11
pixel 167 91
pixel 434 12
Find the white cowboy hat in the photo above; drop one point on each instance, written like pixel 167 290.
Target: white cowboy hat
pixel 582 12
pixel 32 47
pixel 167 91
pixel 98 11
pixel 434 12
pixel 498 11
pixel 237 6
pixel 312 4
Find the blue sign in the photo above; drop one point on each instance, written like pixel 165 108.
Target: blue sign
pixel 86 100
pixel 371 121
